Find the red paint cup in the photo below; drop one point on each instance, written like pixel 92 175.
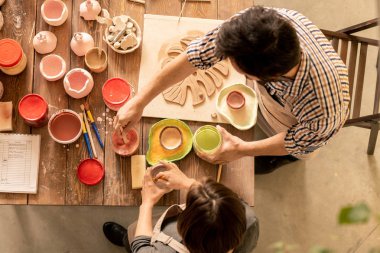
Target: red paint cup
pixel 34 110
pixel 90 171
pixel 116 92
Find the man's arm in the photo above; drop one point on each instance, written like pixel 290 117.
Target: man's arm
pixel 173 72
pixel 272 146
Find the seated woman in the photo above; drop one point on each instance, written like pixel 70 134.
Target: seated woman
pixel 214 219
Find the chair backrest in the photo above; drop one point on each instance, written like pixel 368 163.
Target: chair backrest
pixel 342 41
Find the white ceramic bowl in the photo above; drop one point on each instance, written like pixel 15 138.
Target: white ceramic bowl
pixel 52 67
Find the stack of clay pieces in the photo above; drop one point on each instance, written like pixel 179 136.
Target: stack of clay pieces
pixel 123 35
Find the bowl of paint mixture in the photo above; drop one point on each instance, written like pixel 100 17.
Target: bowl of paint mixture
pixel 207 140
pixel 65 126
pixel 52 67
pixel 96 59
pixel 125 146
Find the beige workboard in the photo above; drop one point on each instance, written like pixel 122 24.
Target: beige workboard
pixel 158 30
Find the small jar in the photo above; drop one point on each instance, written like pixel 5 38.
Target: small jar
pixel 34 110
pixel 116 92
pixel 207 140
pixel 12 58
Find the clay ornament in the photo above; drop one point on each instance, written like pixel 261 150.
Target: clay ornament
pixel 129 41
pixel 89 9
pixel 81 43
pixel 78 83
pixel 54 12
pixel 44 42
pixel 52 67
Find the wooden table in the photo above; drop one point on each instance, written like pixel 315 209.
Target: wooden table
pixel 58 184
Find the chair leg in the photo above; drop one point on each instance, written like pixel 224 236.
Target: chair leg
pixel 373 137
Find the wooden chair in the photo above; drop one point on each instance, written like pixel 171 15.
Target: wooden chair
pixel 341 41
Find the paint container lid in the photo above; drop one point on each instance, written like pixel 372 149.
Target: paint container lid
pixel 90 171
pixel 32 107
pixel 10 53
pixel 116 91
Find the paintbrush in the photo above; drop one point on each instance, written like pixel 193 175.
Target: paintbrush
pixel 123 135
pixel 85 134
pixel 89 131
pixel 220 167
pixel 87 107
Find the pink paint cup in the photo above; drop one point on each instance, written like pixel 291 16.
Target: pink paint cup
pixel 34 110
pixel 116 92
pixel 65 126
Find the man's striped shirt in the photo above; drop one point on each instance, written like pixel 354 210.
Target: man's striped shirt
pixel 319 94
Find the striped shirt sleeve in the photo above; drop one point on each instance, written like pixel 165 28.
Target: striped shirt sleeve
pixel 201 52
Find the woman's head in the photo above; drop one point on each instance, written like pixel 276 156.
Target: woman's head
pixel 214 219
pixel 260 43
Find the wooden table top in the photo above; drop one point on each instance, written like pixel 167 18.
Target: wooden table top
pixel 58 183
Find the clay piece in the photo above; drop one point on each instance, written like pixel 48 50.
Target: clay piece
pixel 123 35
pixel 52 67
pixel 202 83
pixel 89 9
pixel 78 83
pixel 54 12
pixel 6 116
pixel 81 43
pixel 44 42
pixel 1 89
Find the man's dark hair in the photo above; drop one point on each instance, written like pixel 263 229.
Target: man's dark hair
pixel 260 42
pixel 214 219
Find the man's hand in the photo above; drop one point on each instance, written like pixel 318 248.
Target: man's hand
pixel 174 178
pixel 128 115
pixel 230 150
pixel 150 193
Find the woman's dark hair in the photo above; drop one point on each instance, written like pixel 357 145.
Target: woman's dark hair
pixel 214 219
pixel 261 43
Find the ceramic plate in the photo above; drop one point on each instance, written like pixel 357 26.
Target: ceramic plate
pixel 157 152
pixel 243 118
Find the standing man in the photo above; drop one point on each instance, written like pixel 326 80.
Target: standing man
pixel 301 82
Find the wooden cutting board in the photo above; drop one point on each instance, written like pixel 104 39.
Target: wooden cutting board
pixel 159 31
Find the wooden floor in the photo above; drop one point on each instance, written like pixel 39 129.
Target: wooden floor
pixel 58 184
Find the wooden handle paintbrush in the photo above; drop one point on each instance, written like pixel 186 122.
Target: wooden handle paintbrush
pixel 87 107
pixel 219 173
pixel 89 131
pixel 85 134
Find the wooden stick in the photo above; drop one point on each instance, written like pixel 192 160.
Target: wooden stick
pixel 138 1
pixel 220 167
pixel 89 134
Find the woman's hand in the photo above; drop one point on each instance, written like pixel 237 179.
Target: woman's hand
pixel 174 178
pixel 129 114
pixel 150 193
pixel 230 150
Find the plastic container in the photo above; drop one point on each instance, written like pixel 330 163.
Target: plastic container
pixel 90 171
pixel 34 110
pixel 54 12
pixel 12 58
pixel 52 67
pixel 116 92
pixel 207 140
pixel 65 126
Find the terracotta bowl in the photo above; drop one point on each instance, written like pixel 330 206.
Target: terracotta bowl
pixel 52 67
pixel 235 100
